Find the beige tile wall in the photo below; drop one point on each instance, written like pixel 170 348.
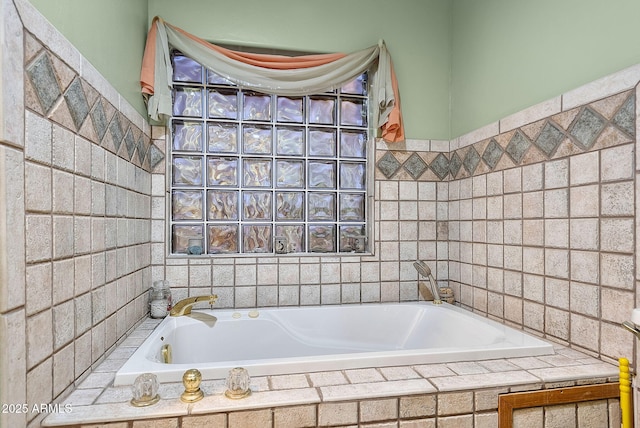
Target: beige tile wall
pixel 86 256
pixel 403 211
pixel 549 245
pixel 74 219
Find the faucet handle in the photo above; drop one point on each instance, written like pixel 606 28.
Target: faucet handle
pixel 212 299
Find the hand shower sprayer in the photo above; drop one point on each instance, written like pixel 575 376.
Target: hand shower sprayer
pixel 425 271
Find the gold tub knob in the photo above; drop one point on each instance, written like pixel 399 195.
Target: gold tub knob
pixel 191 381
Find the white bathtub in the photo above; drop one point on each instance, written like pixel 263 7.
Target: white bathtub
pixel 321 338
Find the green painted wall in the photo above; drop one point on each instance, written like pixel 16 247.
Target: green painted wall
pixel 461 64
pixel 511 54
pixel 417 33
pixel 109 34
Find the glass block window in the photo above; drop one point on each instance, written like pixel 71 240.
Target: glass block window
pixel 257 173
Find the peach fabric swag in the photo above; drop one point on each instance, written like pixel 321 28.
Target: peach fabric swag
pixel 273 74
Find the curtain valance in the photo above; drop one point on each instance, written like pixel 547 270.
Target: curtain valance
pixel 272 74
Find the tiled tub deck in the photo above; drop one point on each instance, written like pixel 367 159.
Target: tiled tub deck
pixel 460 395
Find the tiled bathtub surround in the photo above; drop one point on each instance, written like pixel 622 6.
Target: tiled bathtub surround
pixel 533 226
pixel 541 230
pixel 540 219
pixel 536 226
pixel 456 395
pixel 75 206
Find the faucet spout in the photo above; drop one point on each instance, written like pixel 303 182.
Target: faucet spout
pixel 184 306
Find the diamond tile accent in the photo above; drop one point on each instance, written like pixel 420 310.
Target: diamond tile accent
pixel 549 139
pixel 587 127
pixel 388 165
pixel 142 150
pixel 77 102
pixel 455 164
pixel 130 143
pixel 155 156
pixel 518 147
pixel 610 121
pixel 99 120
pixel 492 154
pixel 44 81
pixel 440 166
pixel 625 118
pixel 56 91
pixel 116 132
pixel 471 160
pixel 415 166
